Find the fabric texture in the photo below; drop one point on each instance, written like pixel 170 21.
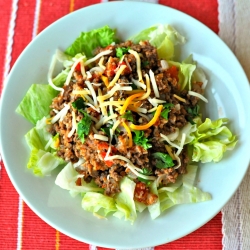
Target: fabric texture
pixel 21 228
pixel 234 25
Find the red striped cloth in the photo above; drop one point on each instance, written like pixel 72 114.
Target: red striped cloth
pixel 20 227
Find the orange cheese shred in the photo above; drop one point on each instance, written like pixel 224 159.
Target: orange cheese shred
pixel 128 101
pixel 151 122
pixel 130 143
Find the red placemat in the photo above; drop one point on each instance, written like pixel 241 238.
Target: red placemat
pixel 20 228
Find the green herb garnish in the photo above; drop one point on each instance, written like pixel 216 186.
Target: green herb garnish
pixel 79 104
pixel 128 116
pixel 166 109
pixel 163 160
pixel 140 139
pixel 192 113
pixel 83 127
pixel 147 172
pixel 121 51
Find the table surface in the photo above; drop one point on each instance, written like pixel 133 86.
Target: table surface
pixel 20 227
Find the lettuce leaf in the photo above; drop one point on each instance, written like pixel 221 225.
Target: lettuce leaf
pixel 87 42
pixel 67 178
pixel 42 159
pixel 184 191
pixel 98 203
pixel 124 200
pixel 36 103
pixel 212 140
pixel 164 37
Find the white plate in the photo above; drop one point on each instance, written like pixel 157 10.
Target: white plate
pixel 228 94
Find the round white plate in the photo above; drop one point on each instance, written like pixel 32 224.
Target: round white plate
pixel 228 95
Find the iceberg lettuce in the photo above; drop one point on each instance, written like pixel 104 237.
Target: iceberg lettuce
pixel 42 158
pixel 212 140
pixel 164 37
pixel 125 201
pixel 87 42
pixel 184 191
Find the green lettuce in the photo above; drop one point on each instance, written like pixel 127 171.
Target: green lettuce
pixel 183 191
pixel 67 178
pixel 36 103
pixel 42 159
pixel 98 203
pixel 87 42
pixel 164 37
pixel 124 200
pixel 212 140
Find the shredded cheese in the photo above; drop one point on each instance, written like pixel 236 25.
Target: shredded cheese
pixel 155 101
pixel 101 137
pixel 81 92
pixel 117 75
pixel 130 143
pixel 139 84
pixel 152 110
pixel 61 114
pixel 112 92
pixel 183 138
pixel 138 63
pixel 79 60
pixel 104 120
pixel 105 80
pixel 101 63
pixel 169 142
pixel 92 91
pixel 150 123
pixel 128 101
pixel 154 85
pixel 145 177
pixel 137 109
pixel 103 109
pixel 74 126
pixel 198 95
pixel 146 95
pixel 103 53
pixel 169 150
pixel 179 98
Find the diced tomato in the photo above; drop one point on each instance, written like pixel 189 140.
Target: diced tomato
pixel 103 147
pixel 108 163
pixel 78 67
pixel 173 71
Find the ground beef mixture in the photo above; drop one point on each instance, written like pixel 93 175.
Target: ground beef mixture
pixel 107 174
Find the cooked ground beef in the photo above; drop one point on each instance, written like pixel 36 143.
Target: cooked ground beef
pixel 108 173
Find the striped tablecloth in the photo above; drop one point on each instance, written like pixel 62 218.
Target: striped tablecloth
pixel 21 21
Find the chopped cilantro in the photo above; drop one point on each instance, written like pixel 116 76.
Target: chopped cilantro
pixel 166 109
pixel 147 172
pixel 128 116
pixel 163 160
pixel 145 63
pixel 121 50
pixel 79 104
pixel 192 113
pixel 133 86
pixel 140 139
pixel 83 127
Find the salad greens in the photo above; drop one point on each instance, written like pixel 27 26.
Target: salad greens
pixel 207 141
